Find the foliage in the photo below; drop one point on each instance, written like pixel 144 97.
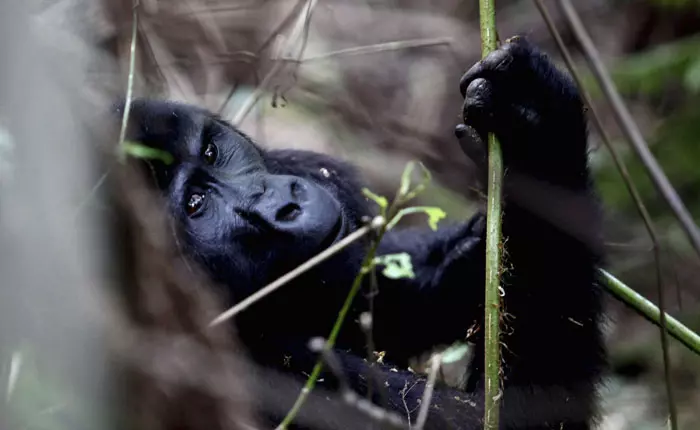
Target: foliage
pixel 146 152
pixel 650 72
pixel 674 144
pixel 674 140
pixel 396 265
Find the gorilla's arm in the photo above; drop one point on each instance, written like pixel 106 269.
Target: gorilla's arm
pixel 551 337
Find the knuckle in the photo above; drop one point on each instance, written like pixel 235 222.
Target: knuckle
pixel 478 92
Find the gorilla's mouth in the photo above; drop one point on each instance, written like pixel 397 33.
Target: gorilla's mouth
pixel 335 234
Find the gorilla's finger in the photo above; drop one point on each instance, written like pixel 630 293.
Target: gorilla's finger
pixel 510 58
pixel 471 143
pixel 497 61
pixel 479 104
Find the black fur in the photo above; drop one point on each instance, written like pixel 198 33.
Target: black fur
pixel 553 349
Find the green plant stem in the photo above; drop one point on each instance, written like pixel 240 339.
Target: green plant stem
pixel 380 225
pixel 487 17
pixel 356 285
pixel 130 78
pixel 276 284
pixel 650 311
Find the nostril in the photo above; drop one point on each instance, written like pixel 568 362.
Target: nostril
pixel 296 189
pixel 289 212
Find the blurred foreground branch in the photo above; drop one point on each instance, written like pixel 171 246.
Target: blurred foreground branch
pixel 628 126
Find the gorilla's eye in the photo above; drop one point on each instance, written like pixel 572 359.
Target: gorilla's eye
pixel 210 153
pixel 195 203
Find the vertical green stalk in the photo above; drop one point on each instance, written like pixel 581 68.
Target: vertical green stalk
pixel 487 18
pixel 316 372
pixel 130 79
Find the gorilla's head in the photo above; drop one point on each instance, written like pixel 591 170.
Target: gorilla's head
pixel 249 215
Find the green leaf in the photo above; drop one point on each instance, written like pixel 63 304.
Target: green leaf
pixel 146 152
pixel 379 200
pixel 405 191
pixel 406 179
pixel 435 214
pixel 396 266
pixel 455 353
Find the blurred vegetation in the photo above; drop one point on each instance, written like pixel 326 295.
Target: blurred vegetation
pixel 382 109
pixel 664 80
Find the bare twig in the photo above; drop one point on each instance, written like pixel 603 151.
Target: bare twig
pixel 680 332
pixel 270 288
pixel 365 406
pixel 266 43
pixel 377 48
pixel 367 326
pixel 127 107
pixel 130 78
pixel 388 212
pixel 205 17
pixel 632 189
pixel 628 126
pixel 318 345
pixel 91 194
pixel 379 224
pixel 404 392
pixel 427 398
pixel 288 50
pixel 373 375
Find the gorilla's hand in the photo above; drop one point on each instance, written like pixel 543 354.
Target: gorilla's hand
pixel 533 108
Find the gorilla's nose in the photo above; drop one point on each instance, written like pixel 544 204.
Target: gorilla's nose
pixel 298 208
pixel 281 206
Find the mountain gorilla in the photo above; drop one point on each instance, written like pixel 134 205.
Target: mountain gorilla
pixel 249 215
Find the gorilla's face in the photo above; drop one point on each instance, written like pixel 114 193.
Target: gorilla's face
pixel 239 217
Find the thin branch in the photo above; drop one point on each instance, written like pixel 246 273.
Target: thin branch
pixel 127 107
pixel 91 194
pixel 350 397
pixel 378 48
pixel 311 263
pixel 247 106
pixel 318 345
pixel 378 224
pixel 675 328
pixel 632 189
pixel 628 126
pixel 492 302
pixel 207 23
pixel 130 79
pixel 367 326
pixel 273 35
pixel 297 33
pixel 427 398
